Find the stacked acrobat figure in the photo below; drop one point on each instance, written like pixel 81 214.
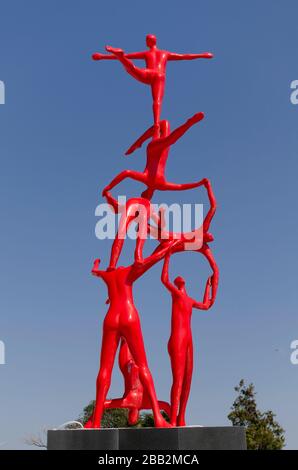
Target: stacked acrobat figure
pixel 122 323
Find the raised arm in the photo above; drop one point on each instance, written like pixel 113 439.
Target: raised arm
pixel 206 251
pixel 177 133
pixel 159 253
pixel 165 275
pixel 97 272
pixel 212 209
pixel 204 55
pixel 206 304
pixel 139 142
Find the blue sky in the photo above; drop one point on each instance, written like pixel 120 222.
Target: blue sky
pixel 64 128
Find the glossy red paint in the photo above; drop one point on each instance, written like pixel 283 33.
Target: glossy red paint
pixel 154 74
pixel 122 325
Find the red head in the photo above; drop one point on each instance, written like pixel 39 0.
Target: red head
pixel 150 40
pixel 179 282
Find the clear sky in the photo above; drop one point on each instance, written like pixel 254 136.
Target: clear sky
pixel 64 128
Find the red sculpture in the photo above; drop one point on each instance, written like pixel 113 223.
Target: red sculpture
pixel 135 397
pixel 180 346
pixel 122 325
pixel 153 175
pixel 122 320
pixel 155 72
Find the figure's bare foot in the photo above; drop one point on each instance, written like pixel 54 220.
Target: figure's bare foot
pixel 181 422
pixel 197 117
pixel 162 423
pixel 116 51
pixel 88 425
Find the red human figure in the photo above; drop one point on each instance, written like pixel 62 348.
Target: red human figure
pixel 194 240
pixel 154 74
pixel 180 345
pixel 122 320
pixel 138 209
pixel 153 175
pixel 135 398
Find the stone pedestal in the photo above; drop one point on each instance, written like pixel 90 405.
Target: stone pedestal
pixel 184 438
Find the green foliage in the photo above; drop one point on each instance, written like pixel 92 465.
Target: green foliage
pixel 117 417
pixel 147 421
pixel 262 430
pixel 112 418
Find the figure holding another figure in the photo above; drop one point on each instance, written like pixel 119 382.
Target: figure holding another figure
pixel 153 175
pixel 180 345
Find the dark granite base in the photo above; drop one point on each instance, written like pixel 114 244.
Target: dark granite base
pixel 184 438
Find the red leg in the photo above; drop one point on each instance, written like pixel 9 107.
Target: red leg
pixel 119 240
pixel 135 343
pixel 110 343
pixel 157 89
pixel 186 385
pixel 166 186
pixel 135 175
pixel 178 362
pixel 141 74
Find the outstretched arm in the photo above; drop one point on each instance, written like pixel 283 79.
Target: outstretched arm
pixel 139 142
pixel 212 209
pixel 165 275
pixel 132 55
pixel 204 55
pixel 95 271
pixel 178 132
pixel 139 269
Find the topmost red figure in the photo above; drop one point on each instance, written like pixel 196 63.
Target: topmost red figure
pixel 155 72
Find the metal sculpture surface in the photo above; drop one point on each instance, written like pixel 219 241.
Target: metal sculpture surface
pixel 122 324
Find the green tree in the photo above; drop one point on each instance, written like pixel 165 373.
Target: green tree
pixel 117 417
pixel 262 430
pixel 112 418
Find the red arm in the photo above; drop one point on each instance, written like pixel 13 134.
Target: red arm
pixel 139 142
pixel 139 269
pixel 97 272
pixel 215 276
pixel 206 304
pixel 165 275
pixel 212 209
pixel 172 138
pixel 204 55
